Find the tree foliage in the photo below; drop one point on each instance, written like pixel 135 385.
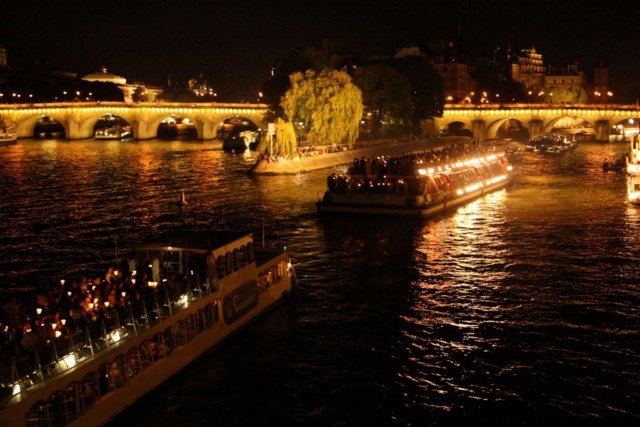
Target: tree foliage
pixel 427 87
pixel 284 141
pixel 276 85
pixel 327 103
pixel 566 95
pixel 386 94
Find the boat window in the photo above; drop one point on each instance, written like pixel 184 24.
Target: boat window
pixel 250 254
pixel 134 361
pixel 148 352
pixel 235 260
pixel 228 263
pixel 221 265
pixel 39 414
pixel 73 398
pixel 90 389
pixel 58 408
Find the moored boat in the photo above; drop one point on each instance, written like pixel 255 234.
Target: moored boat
pixel 420 184
pixel 116 132
pixel 240 140
pixel 633 171
pixel 8 135
pixel 192 291
pixel 550 143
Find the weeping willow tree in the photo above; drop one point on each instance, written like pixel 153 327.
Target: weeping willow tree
pixel 328 104
pixel 284 141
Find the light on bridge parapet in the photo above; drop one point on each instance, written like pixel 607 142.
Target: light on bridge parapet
pixel 79 118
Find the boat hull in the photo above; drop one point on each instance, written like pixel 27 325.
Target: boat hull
pixel 412 211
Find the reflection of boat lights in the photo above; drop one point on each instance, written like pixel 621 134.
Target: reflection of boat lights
pixel 509 168
pixel 633 168
pixel 70 360
pixel 431 170
pixel 289 265
pixel 16 389
pixel 460 192
pixel 422 172
pixel 634 196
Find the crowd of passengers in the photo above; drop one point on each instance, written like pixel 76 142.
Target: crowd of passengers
pixel 388 173
pixel 66 309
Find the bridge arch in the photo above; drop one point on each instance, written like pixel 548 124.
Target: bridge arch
pixel 87 127
pixel 236 123
pixel 154 124
pixel 25 127
pixel 567 121
pixel 455 128
pixel 509 122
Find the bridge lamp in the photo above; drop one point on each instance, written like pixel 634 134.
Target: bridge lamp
pixel 78 92
pixel 64 92
pixel 609 93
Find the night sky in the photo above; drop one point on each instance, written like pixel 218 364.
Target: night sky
pixel 234 43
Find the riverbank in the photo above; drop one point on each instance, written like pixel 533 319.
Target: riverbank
pixel 283 166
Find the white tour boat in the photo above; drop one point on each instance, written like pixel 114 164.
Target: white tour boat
pixel 209 287
pixel 409 185
pixel 633 171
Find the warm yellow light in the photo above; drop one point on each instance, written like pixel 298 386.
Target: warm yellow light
pixel 70 360
pixel 58 334
pixel 38 310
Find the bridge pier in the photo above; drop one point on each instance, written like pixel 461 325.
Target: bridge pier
pixel 535 127
pixel 205 129
pixel 478 128
pixel 602 128
pixel 141 130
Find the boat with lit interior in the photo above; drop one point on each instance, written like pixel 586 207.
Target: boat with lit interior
pixel 550 143
pixel 633 171
pixel 197 290
pixel 418 184
pixel 8 135
pixel 115 132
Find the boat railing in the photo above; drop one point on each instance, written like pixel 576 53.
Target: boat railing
pixel 78 341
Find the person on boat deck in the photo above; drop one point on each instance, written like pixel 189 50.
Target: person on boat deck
pixel 155 268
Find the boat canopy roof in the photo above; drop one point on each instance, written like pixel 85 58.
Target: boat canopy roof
pixel 192 241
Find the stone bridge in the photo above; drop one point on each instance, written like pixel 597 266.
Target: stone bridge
pixel 79 119
pixel 484 120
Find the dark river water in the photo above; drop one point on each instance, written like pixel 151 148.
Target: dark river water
pixel 519 308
